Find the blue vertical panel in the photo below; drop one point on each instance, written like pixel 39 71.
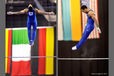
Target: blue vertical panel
pixel 67 34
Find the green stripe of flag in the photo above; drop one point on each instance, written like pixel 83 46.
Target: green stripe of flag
pixel 20 37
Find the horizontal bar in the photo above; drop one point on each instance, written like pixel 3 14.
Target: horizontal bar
pixel 83 58
pixel 31 28
pixel 34 57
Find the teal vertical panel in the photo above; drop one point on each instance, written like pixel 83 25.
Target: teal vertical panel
pixel 67 34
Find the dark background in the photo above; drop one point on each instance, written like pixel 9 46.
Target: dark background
pixel 83 68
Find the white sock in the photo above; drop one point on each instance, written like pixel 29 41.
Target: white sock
pixel 74 48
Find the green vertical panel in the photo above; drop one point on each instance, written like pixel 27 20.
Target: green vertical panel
pixel 67 34
pixel 20 36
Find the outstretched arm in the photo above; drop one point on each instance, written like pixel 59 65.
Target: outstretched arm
pixel 96 22
pixel 19 12
pixel 44 13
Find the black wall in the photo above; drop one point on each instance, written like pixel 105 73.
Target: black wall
pixel 83 68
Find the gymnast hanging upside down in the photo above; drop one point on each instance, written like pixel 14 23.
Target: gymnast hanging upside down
pixel 89 27
pixel 32 20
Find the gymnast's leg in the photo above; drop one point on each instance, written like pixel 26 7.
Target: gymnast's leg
pixel 34 32
pixel 29 32
pixel 85 35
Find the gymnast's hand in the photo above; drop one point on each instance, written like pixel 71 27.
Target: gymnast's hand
pixel 10 13
pixel 51 13
pixel 99 30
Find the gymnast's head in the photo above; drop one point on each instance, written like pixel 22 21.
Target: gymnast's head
pixel 30 7
pixel 84 8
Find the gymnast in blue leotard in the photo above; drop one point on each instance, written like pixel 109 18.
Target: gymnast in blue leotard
pixel 32 20
pixel 89 27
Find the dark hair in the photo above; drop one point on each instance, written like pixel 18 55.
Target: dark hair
pixel 84 7
pixel 30 9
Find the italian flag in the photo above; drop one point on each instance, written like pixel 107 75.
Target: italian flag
pixel 20 53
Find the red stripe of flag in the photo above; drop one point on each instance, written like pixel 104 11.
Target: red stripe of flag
pixel 9 50
pixel 42 51
pixel 21 68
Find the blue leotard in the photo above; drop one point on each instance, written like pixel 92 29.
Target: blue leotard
pixel 32 20
pixel 88 29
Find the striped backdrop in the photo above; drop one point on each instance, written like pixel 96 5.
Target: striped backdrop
pixel 71 22
pixel 92 4
pixel 17 45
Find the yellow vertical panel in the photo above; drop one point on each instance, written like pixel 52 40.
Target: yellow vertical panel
pixel 6 49
pixel 49 51
pixel 49 66
pixel 76 20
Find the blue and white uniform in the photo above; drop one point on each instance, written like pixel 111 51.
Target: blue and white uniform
pixel 88 29
pixel 32 20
